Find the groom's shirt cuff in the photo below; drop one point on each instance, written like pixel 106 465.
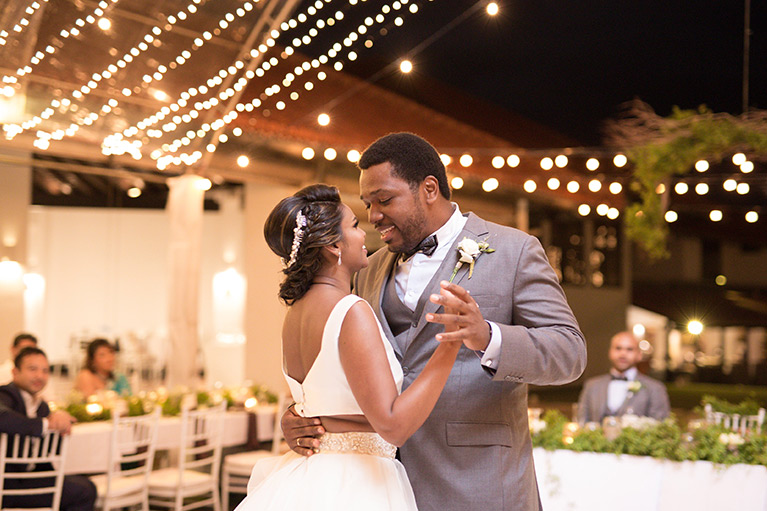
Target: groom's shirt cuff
pixel 490 357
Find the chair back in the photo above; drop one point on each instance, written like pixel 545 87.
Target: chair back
pixel 736 422
pixel 132 446
pixel 47 453
pixel 277 432
pixel 201 440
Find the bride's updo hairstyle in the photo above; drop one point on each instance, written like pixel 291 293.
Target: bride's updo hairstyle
pixel 321 208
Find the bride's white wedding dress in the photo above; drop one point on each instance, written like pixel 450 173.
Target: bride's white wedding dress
pixel 351 470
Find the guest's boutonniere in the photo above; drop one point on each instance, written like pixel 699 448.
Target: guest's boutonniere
pixel 634 386
pixel 469 250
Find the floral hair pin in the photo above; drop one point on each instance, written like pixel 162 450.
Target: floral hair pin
pixel 298 236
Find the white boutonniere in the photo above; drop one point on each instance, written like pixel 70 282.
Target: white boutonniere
pixel 469 250
pixel 634 386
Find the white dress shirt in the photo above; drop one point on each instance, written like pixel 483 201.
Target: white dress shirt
pixel 617 390
pixel 412 276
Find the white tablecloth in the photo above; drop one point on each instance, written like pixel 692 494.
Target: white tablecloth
pixel 575 481
pixel 89 442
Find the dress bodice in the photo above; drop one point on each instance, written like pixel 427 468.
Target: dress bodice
pixel 325 389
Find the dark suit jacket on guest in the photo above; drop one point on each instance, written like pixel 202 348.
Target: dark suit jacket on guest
pixel 651 400
pixel 474 451
pixel 13 413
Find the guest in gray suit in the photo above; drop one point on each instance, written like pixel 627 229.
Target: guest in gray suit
pixel 624 390
pixel 474 450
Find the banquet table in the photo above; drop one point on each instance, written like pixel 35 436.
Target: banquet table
pixel 577 481
pixel 89 442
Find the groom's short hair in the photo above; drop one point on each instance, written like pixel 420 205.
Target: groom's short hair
pixel 412 159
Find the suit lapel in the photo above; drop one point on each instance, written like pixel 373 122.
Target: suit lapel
pixel 476 229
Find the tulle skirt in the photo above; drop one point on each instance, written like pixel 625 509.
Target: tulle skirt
pixel 329 481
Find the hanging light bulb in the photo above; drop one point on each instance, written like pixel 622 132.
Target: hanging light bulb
pixel 456 183
pixel 529 186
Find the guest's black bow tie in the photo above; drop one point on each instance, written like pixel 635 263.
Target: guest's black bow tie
pixel 428 245
pixel 620 378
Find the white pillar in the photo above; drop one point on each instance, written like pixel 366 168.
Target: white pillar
pixel 15 197
pixel 185 207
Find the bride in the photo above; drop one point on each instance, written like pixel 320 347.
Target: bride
pixel 339 367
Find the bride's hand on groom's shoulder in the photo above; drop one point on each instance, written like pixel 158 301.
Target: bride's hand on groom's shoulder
pixel 461 316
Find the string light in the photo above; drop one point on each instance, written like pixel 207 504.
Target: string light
pixel 553 183
pixel 752 217
pixel 560 161
pixel 602 209
pixel 465 160
pixel 23 23
pixel 498 162
pixel 701 165
pixel 701 188
pixel 490 184
pixel 353 156
pixel 584 209
pixel 323 119
pixel 456 183
pixel 446 159
pixel 592 164
pixel 595 185
pixel 742 188
pixel 730 185
pixel 512 161
pixel 620 160
pixel 307 153
pixel 747 167
pixel 613 213
pixel 671 216
pixel 330 154
pixel 547 163
pixel 738 158
pixel 681 188
pixel 243 161
pixel 529 186
pixel 573 186
pixel 406 66
pixel 715 215
pixel 615 188
pixel 492 9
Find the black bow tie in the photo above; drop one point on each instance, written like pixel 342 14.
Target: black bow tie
pixel 428 245
pixel 620 378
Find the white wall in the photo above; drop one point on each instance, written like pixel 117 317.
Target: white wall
pixel 105 274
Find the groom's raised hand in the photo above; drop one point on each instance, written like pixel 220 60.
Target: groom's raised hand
pixel 462 318
pixel 300 432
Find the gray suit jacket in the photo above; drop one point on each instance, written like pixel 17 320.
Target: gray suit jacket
pixel 651 400
pixel 474 451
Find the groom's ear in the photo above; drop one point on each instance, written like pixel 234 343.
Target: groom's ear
pixel 430 189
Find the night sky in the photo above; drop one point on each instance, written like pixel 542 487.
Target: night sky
pixel 571 64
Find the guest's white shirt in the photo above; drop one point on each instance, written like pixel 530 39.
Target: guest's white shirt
pixel 617 390
pixel 31 403
pixel 6 372
pixel 412 276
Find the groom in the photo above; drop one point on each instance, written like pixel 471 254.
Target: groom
pixel 474 450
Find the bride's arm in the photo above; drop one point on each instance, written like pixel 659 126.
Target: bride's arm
pixel 394 416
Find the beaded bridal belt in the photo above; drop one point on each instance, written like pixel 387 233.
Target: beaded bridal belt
pixel 357 442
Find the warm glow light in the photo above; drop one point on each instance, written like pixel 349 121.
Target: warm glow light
pixel 560 161
pixel 492 8
pixel 613 213
pixel 553 183
pixel 465 160
pixel 715 215
pixel 243 161
pixel 738 158
pixel 584 209
pixel 639 330
pixel 307 153
pixel 720 280
pixel 489 185
pixel 406 66
pixel 94 408
pixel 104 24
pixel 742 188
pixel 250 403
pixel 203 184
pixel 752 216
pixel 547 163
pixel 497 162
pixel 660 189
pixel 160 95
pixel 456 183
pixel 602 209
pixel 701 188
pixel 595 185
pixel 330 154
pixel 701 165
pixel 573 186
pixel 671 216
pixel 134 192
pixel 529 186
pixel 615 188
pixel 323 119
pixel 695 327
pixel 592 164
pixel 681 188
pixel 620 160
pixel 353 156
pixel 512 161
pixel 730 185
pixel 747 167
pixel 446 159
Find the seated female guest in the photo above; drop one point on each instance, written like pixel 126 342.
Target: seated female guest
pixel 99 371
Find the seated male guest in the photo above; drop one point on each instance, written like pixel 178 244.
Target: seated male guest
pixel 624 390
pixel 20 342
pixel 22 411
